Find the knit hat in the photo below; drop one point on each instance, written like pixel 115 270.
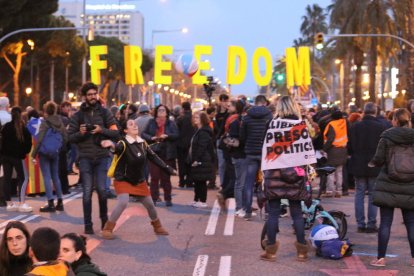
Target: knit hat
pixel 143 108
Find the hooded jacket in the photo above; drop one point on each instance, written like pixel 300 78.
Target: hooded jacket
pixel 54 121
pixel 11 146
pixel 253 129
pixel 87 269
pixel 390 193
pixel 202 151
pixel 88 143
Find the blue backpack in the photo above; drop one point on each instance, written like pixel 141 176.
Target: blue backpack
pixel 52 142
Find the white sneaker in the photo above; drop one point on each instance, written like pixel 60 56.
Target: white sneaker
pixel 193 203
pixel 241 213
pixel 201 205
pixel 12 207
pixel 24 208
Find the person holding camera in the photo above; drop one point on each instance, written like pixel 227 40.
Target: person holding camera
pixel 88 127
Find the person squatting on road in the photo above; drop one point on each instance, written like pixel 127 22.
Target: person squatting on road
pixel 14 250
pixel 201 156
pixel 88 127
pixel 394 190
pixel 277 186
pixel 73 251
pixel 130 176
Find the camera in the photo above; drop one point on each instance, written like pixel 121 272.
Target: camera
pixel 89 127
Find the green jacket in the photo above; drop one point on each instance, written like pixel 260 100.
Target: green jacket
pixel 390 193
pixel 88 269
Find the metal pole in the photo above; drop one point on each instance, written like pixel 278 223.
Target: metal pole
pixel 84 40
pixel 65 96
pixel 372 35
pixel 130 93
pixel 52 81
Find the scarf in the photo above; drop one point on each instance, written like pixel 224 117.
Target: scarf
pixel 161 125
pixel 230 120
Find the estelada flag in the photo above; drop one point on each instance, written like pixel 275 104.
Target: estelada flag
pixel 287 144
pixel 36 184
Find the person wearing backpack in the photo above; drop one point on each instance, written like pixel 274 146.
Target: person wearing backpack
pixel 395 183
pixel 52 136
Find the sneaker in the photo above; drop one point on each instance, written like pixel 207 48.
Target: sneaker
pixel 241 213
pixel 201 205
pixel 193 203
pixel 168 203
pixel 283 213
pixel 371 230
pixel 378 262
pixel 12 207
pixel 249 216
pixel 24 208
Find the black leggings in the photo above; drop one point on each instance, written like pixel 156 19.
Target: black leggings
pixel 200 191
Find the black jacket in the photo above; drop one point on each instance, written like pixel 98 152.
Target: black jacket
pixel 234 132
pixel 363 141
pixel 186 129
pixel 253 129
pixel 202 151
pixel 13 147
pixel 131 166
pixel 86 268
pixel 168 146
pixel 89 144
pixel 390 193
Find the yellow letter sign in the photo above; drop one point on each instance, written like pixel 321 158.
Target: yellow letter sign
pixel 133 62
pixel 200 50
pixel 298 70
pixel 96 63
pixel 233 53
pixel 160 65
pixel 262 80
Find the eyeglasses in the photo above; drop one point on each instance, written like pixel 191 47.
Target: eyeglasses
pixel 91 94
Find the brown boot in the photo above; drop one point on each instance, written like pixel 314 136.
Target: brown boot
pixel 270 252
pixel 158 229
pixel 302 251
pixel 107 230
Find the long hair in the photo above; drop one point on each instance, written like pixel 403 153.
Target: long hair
pixel 16 114
pixel 79 243
pixel 166 108
pixel 286 106
pixel 5 256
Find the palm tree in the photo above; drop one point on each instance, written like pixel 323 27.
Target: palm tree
pixel 313 22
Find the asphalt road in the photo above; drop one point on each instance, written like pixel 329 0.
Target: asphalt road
pixel 210 242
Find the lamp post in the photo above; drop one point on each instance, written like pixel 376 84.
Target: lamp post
pixel 182 30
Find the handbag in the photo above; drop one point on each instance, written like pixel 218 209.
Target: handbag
pixel 115 160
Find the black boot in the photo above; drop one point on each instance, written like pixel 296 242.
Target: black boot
pixel 59 205
pixel 50 207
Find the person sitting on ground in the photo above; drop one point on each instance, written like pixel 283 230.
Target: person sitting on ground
pixel 130 176
pixel 44 251
pixel 73 251
pixel 14 250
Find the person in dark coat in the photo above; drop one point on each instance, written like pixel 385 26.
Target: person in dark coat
pixel 390 193
pixel 162 134
pixel 187 130
pixel 201 158
pixel 73 251
pixel 363 140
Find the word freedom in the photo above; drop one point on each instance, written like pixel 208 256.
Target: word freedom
pixel 297 66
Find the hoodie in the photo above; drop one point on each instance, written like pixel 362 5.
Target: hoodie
pixel 87 269
pixel 253 129
pixel 55 122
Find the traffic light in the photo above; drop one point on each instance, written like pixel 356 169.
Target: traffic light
pixel 319 41
pixel 279 78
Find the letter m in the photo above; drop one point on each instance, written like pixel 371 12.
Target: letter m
pixel 298 68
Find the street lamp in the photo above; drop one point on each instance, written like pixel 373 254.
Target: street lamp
pixel 29 91
pixel 182 30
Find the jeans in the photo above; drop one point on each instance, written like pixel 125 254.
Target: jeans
pixel 50 171
pixel 273 220
pixel 335 179
pixel 387 215
pixel 239 183
pixel 365 184
pixel 159 177
pixel 93 173
pixel 221 163
pixel 252 165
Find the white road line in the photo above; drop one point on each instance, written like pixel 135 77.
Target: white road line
pixel 75 196
pixel 23 221
pixel 3 224
pixel 212 222
pixel 225 266
pixel 228 228
pixel 201 265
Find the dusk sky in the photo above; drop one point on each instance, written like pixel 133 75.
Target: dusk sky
pixel 273 24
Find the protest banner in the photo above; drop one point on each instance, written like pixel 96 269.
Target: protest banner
pixel 287 144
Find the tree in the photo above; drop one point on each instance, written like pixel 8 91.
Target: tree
pixel 313 22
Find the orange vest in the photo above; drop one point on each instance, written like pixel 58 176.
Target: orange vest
pixel 341 134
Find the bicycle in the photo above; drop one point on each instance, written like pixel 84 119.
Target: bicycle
pixel 316 212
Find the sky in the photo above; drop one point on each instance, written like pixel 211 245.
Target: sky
pixel 273 24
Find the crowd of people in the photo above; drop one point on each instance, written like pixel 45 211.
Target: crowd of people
pixel 146 146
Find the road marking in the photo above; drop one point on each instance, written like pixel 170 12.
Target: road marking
pixel 228 228
pixel 30 218
pixel 91 244
pixel 212 222
pixel 18 218
pixel 373 254
pixel 75 196
pixel 3 224
pixel 225 266
pixel 201 265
